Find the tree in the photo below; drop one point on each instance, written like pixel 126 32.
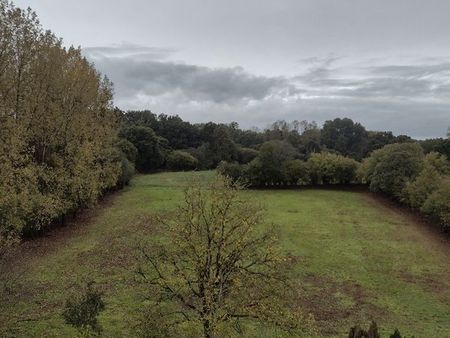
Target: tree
pixel 389 169
pixel 345 136
pixel 218 266
pixel 57 123
pixel 440 145
pixel 377 140
pixel 269 167
pixel 144 118
pixel 219 145
pixel 151 148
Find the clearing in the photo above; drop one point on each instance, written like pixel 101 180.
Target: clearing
pixel 359 258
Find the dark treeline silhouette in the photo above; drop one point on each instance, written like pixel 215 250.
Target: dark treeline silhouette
pixel 210 143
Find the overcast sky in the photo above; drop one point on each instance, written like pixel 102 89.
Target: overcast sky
pixel 384 63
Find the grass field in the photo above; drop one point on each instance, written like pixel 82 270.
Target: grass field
pixel 359 258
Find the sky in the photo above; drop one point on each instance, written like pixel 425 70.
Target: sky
pixel 383 63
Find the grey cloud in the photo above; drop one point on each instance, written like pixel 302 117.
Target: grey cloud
pixel 405 98
pixel 413 71
pixel 154 77
pixel 127 49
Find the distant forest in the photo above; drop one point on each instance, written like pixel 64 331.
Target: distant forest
pixel 210 143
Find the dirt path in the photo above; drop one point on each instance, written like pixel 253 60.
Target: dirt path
pixel 52 240
pixel 429 231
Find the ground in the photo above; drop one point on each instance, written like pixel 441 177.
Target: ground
pixel 359 258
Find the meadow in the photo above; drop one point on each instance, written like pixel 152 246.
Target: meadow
pixel 358 258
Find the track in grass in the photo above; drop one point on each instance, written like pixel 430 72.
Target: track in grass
pixel 358 259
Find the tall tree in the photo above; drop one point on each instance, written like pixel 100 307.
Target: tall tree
pixel 344 136
pixel 57 126
pixel 217 267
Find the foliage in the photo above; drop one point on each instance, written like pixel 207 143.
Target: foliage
pixel 358 332
pixel 246 155
pixel 82 311
pixel 438 203
pixel 180 160
pixel 326 168
pixel 128 149
pixel 269 167
pixel 440 145
pixel 434 167
pixel 297 172
pixel 219 145
pixel 151 148
pixel 345 136
pixel 217 266
pixel 57 126
pixel 234 171
pixel 372 332
pixel 377 140
pixel 389 169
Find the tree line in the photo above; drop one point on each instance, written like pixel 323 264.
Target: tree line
pixel 58 128
pixel 168 142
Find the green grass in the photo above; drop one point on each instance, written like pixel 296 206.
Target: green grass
pixel 358 260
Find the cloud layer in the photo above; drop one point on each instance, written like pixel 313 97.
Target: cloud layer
pixel 406 95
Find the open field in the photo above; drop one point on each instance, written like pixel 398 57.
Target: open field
pixel 359 258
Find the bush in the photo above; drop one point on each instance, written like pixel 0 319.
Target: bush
pixel 297 172
pixel 438 204
pixel 127 172
pixel 81 312
pixel 246 155
pixel 128 149
pixel 180 160
pixel 269 167
pixel 326 168
pixel 358 332
pixel 389 169
pixel 435 166
pixel 234 171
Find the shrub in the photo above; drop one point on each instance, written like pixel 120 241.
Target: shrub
pixel 438 204
pixel 389 169
pixel 127 172
pixel 297 172
pixel 326 168
pixel 234 171
pixel 81 312
pixel 269 167
pixel 180 160
pixel 246 155
pixel 358 332
pixel 128 149
pixel 429 180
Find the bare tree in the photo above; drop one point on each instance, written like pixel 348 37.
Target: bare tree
pixel 218 267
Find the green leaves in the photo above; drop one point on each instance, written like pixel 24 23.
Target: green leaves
pixel 57 127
